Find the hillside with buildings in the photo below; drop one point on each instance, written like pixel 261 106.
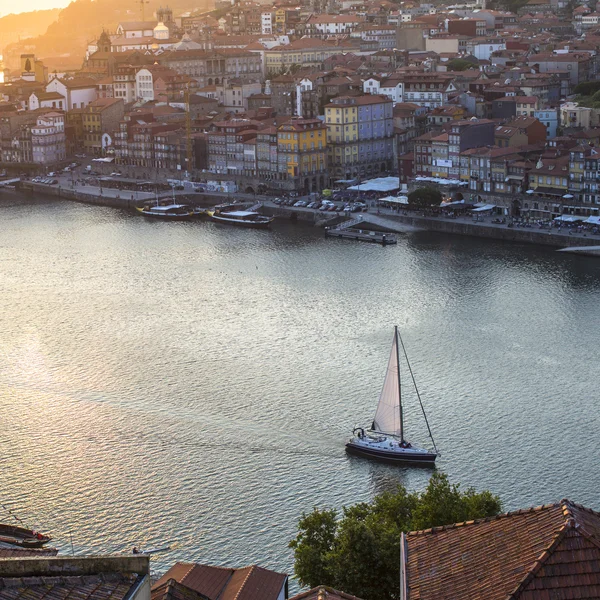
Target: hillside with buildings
pixel 68 31
pixel 297 96
pixel 25 25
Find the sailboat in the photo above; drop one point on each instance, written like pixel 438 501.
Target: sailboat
pixel 385 440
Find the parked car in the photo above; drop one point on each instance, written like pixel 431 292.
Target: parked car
pixel 52 174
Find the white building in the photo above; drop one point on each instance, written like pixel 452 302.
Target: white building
pixel 392 88
pixel 266 20
pixel 326 25
pixel 78 92
pixel 48 142
pixel 136 29
pixel 144 85
pixel 482 49
pixel 234 95
pixel 46 100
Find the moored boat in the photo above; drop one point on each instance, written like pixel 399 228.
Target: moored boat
pixel 243 218
pixel 19 536
pixel 386 440
pixel 169 212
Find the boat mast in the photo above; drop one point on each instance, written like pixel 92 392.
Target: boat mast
pixel 418 395
pixel 399 385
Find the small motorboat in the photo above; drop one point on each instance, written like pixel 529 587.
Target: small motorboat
pixel 168 212
pixel 19 536
pixel 386 439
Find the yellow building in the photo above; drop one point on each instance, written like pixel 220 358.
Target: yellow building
pixel 302 152
pixel 100 119
pixel 280 14
pixel 308 52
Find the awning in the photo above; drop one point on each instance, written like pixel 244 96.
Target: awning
pixel 380 184
pixel 593 220
pixel 549 191
pixel 484 208
pixel 569 218
pixel 455 203
pixel 395 199
pixel 514 177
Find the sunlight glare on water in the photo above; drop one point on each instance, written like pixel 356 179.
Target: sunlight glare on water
pixel 193 383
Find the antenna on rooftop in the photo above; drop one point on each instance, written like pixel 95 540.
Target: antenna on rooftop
pixel 141 3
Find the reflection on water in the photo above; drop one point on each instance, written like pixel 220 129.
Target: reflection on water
pixel 193 383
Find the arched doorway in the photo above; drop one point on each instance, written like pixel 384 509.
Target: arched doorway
pixel 516 208
pixel 249 190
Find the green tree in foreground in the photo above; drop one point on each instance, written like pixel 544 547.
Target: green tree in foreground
pixel 359 553
pixel 425 197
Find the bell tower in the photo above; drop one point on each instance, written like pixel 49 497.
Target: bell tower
pixel 104 42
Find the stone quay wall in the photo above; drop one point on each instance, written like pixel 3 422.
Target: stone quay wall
pixel 497 232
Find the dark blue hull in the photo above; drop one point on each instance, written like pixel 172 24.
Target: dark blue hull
pixel 425 459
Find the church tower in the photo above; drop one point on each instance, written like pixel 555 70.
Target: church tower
pixel 164 15
pixel 104 42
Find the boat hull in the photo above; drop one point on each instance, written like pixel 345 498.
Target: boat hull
pixel 166 217
pixel 19 536
pixel 394 456
pixel 242 223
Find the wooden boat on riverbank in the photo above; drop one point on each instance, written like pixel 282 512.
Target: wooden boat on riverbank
pixel 168 212
pixel 385 439
pixel 19 536
pixel 243 218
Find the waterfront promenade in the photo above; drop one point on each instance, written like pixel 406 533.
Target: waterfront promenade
pixel 394 220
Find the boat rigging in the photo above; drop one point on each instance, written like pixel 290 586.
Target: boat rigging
pixel 385 440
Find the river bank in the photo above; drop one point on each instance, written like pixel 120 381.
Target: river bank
pixel 386 220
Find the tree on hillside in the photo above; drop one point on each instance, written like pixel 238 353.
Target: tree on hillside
pixel 459 64
pixel 360 552
pixel 425 197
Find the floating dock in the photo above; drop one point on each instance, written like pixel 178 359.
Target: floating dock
pixel 362 235
pixel 586 250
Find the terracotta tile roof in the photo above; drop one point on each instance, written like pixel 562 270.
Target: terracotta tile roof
pixel 106 587
pixel 219 583
pixel 543 553
pixel 79 82
pixel 171 590
pixel 323 592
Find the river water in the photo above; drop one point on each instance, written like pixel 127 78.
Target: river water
pixel 194 383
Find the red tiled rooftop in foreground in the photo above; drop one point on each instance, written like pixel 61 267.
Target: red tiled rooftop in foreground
pixel 543 553
pixel 110 586
pixel 219 583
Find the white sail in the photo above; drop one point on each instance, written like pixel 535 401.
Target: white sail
pixel 387 415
